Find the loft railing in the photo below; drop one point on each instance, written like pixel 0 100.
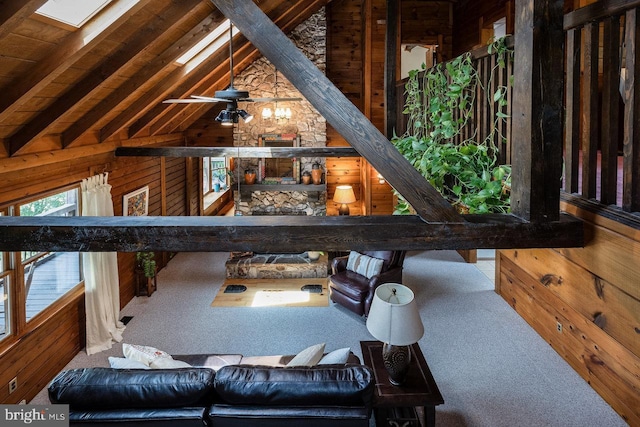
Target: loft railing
pixel 482 123
pixel 602 115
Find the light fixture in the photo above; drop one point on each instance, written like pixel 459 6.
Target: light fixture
pixel 344 195
pixel 394 319
pixel 227 118
pixel 279 113
pixel 246 117
pixel 381 179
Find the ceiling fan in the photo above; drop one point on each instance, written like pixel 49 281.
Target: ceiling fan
pixel 230 95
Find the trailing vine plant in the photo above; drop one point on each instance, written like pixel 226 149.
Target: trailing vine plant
pixel 439 105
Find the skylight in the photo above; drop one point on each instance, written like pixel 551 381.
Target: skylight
pixel 72 12
pixel 207 46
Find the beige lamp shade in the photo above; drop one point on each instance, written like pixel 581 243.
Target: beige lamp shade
pixel 394 318
pixel 344 194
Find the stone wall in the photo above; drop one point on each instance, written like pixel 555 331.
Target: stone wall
pixel 260 80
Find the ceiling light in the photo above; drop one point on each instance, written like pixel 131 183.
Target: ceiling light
pixel 226 118
pixel 245 116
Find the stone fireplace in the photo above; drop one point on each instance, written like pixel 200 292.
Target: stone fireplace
pixel 260 80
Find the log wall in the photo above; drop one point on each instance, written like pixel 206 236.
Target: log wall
pixel 586 304
pixel 50 341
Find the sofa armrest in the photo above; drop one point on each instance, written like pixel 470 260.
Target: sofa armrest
pixel 339 264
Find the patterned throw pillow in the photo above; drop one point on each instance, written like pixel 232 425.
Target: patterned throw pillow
pixel 364 265
pixel 142 353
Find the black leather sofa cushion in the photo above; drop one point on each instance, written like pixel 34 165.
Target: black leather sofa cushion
pixel 326 385
pixel 105 388
pixel 153 417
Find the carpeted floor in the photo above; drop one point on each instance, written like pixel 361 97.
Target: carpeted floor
pixel 491 367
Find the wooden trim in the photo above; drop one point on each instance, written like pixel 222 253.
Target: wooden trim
pixel 596 11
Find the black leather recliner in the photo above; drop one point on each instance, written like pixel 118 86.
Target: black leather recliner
pixel 355 291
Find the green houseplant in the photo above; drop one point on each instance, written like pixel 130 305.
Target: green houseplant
pixel 439 104
pixel 146 263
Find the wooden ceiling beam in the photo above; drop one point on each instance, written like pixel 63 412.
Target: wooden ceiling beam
pixel 76 45
pixel 339 112
pixel 242 152
pixel 83 90
pixel 273 234
pixel 287 19
pixel 12 13
pixel 133 85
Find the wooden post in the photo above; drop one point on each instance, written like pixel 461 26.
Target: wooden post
pixel 631 177
pixel 390 67
pixel 537 109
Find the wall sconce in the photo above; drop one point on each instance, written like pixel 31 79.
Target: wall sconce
pixel 381 179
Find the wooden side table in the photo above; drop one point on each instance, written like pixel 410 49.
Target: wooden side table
pixel 145 286
pixel 418 391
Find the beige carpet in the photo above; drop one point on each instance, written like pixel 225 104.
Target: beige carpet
pixel 273 293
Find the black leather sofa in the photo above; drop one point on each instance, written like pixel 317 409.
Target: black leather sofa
pixel 235 395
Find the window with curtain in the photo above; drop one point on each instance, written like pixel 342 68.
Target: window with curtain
pixel 47 276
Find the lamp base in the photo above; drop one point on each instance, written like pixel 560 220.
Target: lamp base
pixel 396 360
pixel 344 209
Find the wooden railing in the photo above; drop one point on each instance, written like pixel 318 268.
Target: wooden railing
pixel 483 121
pixel 602 116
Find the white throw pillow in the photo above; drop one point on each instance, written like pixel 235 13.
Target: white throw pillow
pixel 310 356
pixel 124 363
pixel 364 265
pixel 168 363
pixel 143 353
pixel 339 356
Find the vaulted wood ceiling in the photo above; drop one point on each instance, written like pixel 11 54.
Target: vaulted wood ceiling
pixel 64 87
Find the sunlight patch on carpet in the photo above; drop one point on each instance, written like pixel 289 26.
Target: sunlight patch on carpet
pixel 274 293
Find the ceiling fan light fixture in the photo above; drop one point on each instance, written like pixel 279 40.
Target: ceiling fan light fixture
pixel 245 116
pixel 226 118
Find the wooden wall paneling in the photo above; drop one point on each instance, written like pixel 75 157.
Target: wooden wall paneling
pixel 610 368
pixel 609 255
pixel 40 355
pixel 610 308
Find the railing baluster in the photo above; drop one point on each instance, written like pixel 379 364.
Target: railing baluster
pixel 572 112
pixel 590 111
pixel 631 160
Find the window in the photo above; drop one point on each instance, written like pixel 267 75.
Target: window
pixel 214 174
pixel 72 12
pixel 5 304
pixel 215 179
pixel 47 276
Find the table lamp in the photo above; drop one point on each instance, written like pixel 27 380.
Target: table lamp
pixel 394 319
pixel 344 195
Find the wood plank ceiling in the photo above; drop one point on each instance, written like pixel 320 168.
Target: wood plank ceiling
pixel 105 82
pixel 65 87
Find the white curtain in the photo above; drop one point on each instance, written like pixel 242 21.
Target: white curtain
pixel 102 288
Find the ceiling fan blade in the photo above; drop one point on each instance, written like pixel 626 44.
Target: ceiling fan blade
pixel 209 98
pixel 271 99
pixel 186 101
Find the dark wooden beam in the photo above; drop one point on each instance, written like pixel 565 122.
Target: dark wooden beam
pixel 240 152
pixel 537 109
pixel 339 112
pixel 12 13
pixel 390 67
pixel 281 233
